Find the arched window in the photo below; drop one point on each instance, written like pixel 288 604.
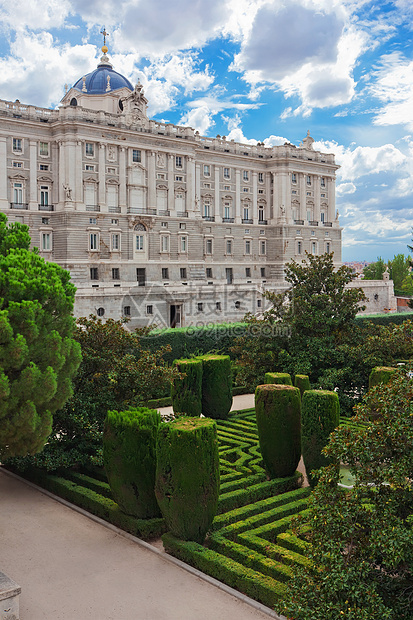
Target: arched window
pixel 73 102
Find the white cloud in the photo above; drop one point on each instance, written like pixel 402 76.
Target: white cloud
pixel 34 14
pixel 394 88
pixel 199 119
pixel 345 188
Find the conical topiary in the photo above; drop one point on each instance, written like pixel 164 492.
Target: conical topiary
pixel 319 417
pixel 129 457
pixel 187 392
pixel 187 476
pixel 278 413
pixel 283 378
pixel 216 386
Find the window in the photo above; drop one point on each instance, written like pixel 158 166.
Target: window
pixel 184 244
pixel 18 193
pixel 139 243
pixel 164 224
pixel 111 170
pixel 313 248
pixel 179 178
pixel 247 246
pixel 165 273
pixel 17 145
pixel 200 307
pixel 227 173
pixel 308 179
pixel 136 156
pixel 208 246
pixel 294 177
pixel 247 272
pixel 218 305
pixel 160 176
pixel 17 164
pixel 207 171
pixel 259 303
pixel 323 195
pixel 245 190
pixel 207 185
pixel 229 246
pixel 182 273
pixel 46 242
pixel 227 188
pixel 115 273
pixel 328 248
pixel 246 213
pixel 89 149
pixel 45 220
pixel 94 273
pixel 115 242
pixel 322 215
pixel 245 175
pixel 93 241
pixel 141 276
pixel 89 167
pixel 237 305
pixel 126 310
pixel 323 182
pixel 299 247
pixel 260 177
pixel 44 167
pixel 260 191
pixel 182 226
pixel 178 162
pixel 262 272
pixel 227 211
pixel 44 195
pixel 263 247
pixel 114 222
pixel 229 275
pixel 92 220
pixel 149 309
pixel 309 215
pixel 313 233
pixel 209 272
pixel 164 243
pixel 44 149
pixel 100 311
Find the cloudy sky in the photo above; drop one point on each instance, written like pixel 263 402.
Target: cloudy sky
pixel 253 70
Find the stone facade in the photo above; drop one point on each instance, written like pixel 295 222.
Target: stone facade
pixel 154 221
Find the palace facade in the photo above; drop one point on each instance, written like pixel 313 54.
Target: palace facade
pixel 153 221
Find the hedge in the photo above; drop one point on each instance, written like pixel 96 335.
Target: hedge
pixel 216 386
pixel 186 392
pixel 302 382
pixel 283 378
pixel 395 318
pixel 380 374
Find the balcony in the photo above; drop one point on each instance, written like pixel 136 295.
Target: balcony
pixel 46 207
pixel 182 213
pixel 164 213
pixel 19 205
pixel 92 208
pixel 263 222
pixel 299 222
pixel 115 210
pixel 208 218
pixel 313 223
pixel 141 211
pixel 329 224
pixel 228 220
pixel 247 221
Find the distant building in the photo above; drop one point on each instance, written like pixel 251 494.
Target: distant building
pixel 153 221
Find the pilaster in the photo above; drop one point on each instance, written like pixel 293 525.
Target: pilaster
pixel 151 180
pixel 4 204
pixel 238 196
pixel 33 198
pixel 171 183
pixel 102 178
pixel 122 179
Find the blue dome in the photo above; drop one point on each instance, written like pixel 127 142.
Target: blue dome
pixel 97 81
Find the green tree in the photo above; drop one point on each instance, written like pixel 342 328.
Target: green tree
pixel 399 269
pixel 38 356
pixel 362 537
pixel 374 271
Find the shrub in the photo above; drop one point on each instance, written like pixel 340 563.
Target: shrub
pixel 282 378
pixel 187 476
pixel 186 391
pixel 380 374
pixel 320 416
pixel 129 456
pixel 302 382
pixel 278 413
pixel 216 386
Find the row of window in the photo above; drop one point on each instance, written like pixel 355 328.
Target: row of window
pixel 313 247
pixel 183 273
pixel 309 179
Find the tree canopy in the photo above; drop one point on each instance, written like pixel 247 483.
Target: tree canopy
pixel 38 356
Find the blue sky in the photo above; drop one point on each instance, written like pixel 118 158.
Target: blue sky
pixel 253 70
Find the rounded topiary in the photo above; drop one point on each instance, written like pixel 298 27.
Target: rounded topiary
pixel 216 386
pixel 187 476
pixel 187 392
pixel 129 457
pixel 278 413
pixel 302 382
pixel 319 417
pixel 380 374
pixel 282 378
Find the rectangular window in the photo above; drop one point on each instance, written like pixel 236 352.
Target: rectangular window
pixel 207 171
pixel 218 305
pixel 115 273
pixel 126 310
pixel 322 215
pixel 184 244
pixel 227 173
pixel 182 273
pixel 92 220
pixel 18 164
pixel 44 167
pixel 46 241
pixel 179 179
pixel 17 145
pixel 44 149
pixel 259 303
pixel 245 190
pixel 44 195
pixel 207 210
pixel 229 246
pixel 227 188
pixel 182 226
pixel 89 149
pixel 149 309
pixel 178 161
pixel 247 246
pixel 114 222
pixel 160 176
pixel 115 242
pixel 141 276
pixel 328 248
pixel 139 243
pixel 208 246
pixel 94 273
pixel 263 247
pixel 18 193
pixel 323 182
pixel 45 220
pixel 200 307
pixel 246 213
pixel 136 156
pixel 313 248
pixel 260 177
pixel 227 211
pixel 245 175
pixel 299 247
pixel 89 168
pixel 247 272
pixel 93 241
pixel 228 275
pixel 209 272
pixel 260 191
pixel 165 273
pixel 308 179
pixel 164 243
pixel 262 272
pixel 294 177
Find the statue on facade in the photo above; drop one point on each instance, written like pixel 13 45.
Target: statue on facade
pixel 68 191
pixel 161 160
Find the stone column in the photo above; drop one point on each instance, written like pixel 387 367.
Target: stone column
pixel 171 183
pixel 78 189
pixel 4 203
pixel 197 199
pixel 255 197
pixel 33 197
pixel 217 209
pixel 151 181
pixel 190 183
pixel 303 197
pixel 122 179
pixel 317 197
pixel 238 215
pixel 62 173
pixel 102 178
